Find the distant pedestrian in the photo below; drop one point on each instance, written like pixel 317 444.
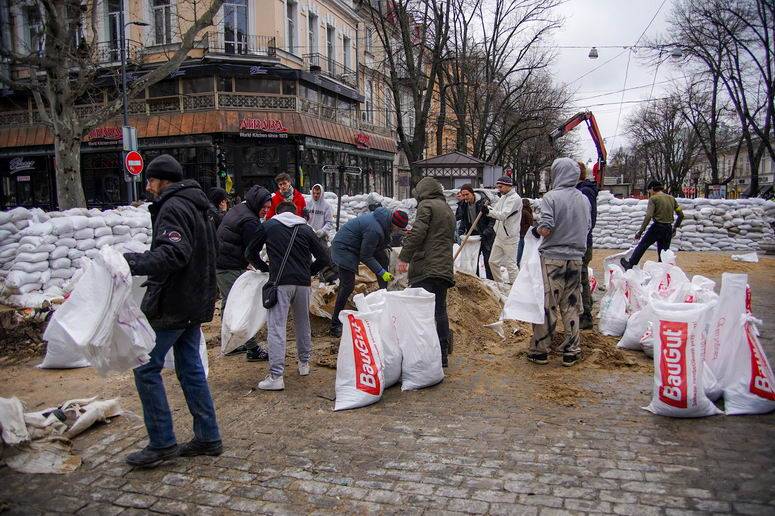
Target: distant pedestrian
pixel 293 286
pixel 525 224
pixel 220 204
pixel 321 216
pixel 565 222
pixel 468 208
pixel 286 193
pixel 427 253
pixel 590 190
pixel 180 267
pixel 507 214
pixel 237 230
pixel 661 208
pixel 363 239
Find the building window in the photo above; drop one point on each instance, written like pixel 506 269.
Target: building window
pixel 331 48
pixel 369 114
pixel 162 22
pixel 312 33
pixel 292 37
pixel 235 26
pixel 114 28
pixel 346 52
pixel 255 85
pixel 388 107
pixel 369 40
pixel 32 36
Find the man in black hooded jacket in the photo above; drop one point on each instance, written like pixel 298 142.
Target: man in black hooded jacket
pixel 180 296
pixel 237 230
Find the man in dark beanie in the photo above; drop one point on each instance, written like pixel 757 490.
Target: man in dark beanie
pixel 220 204
pixel 468 208
pixel 180 296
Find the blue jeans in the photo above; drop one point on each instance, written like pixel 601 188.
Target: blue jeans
pixel 191 375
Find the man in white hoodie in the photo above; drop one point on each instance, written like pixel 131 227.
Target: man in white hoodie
pixel 293 285
pixel 507 212
pixel 321 216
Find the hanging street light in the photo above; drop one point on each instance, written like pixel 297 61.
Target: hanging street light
pixel 593 53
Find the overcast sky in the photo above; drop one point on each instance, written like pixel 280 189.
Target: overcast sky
pixel 608 22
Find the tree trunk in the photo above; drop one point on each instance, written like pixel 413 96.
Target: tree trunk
pixel 67 160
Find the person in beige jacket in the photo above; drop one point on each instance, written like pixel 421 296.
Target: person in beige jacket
pixel 507 212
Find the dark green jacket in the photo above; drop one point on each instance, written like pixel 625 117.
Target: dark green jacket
pixel 428 247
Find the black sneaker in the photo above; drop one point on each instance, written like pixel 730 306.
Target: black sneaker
pixel 237 351
pixel 625 264
pixel 538 358
pixel 570 360
pixel 256 355
pixel 195 447
pixel 150 458
pixel 335 331
pixel 585 322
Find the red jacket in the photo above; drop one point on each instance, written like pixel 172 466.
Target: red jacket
pixel 278 197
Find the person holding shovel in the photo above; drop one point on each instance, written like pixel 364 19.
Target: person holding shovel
pixel 427 253
pixel 468 210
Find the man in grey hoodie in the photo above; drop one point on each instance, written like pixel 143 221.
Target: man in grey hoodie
pixel 564 224
pixel 321 216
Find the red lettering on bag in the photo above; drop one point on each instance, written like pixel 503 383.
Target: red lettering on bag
pixel 761 374
pixel 366 377
pixel 673 337
pixel 664 285
pixel 748 299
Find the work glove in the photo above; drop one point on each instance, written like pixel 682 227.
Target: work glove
pixel 638 235
pixel 485 210
pixel 387 277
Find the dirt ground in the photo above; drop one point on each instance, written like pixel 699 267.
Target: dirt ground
pixel 471 306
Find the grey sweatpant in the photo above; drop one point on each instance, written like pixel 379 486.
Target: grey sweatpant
pixel 288 296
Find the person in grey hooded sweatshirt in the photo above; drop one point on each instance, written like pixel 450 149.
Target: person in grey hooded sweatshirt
pixel 564 224
pixel 321 216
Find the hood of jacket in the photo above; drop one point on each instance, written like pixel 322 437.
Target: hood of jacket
pixel 289 219
pixel 383 217
pixel 256 197
pixel 319 202
pixel 188 189
pixel 565 173
pixel 428 188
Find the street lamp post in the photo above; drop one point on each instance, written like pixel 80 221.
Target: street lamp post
pixel 123 25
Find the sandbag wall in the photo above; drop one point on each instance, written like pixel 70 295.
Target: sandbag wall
pixel 41 252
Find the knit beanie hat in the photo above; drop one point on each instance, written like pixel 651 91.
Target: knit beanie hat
pixel 216 195
pixel 505 180
pixel 165 167
pixel 400 219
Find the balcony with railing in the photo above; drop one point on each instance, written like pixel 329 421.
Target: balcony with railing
pixel 228 43
pixel 319 63
pixel 109 52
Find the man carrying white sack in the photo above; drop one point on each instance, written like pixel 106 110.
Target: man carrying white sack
pixel 564 224
pixel 180 296
pixel 289 243
pixel 507 214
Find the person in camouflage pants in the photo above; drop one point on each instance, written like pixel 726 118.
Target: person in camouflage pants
pixel 562 289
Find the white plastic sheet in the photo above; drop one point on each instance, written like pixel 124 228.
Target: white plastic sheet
pixel 468 258
pixel 526 298
pixel 244 314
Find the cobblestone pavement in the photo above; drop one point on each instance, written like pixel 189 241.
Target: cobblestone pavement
pixel 483 441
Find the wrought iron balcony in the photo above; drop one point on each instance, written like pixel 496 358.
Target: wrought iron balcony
pixel 237 44
pixel 106 52
pixel 330 68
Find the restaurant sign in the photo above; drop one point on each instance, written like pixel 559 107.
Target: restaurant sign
pixel 105 136
pixel 19 165
pixel 262 128
pixel 363 141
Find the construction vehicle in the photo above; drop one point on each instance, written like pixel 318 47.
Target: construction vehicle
pixel 586 116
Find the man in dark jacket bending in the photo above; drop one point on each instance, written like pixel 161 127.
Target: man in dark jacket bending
pixel 363 239
pixel 238 228
pixel 180 296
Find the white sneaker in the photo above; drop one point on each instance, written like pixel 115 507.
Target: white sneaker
pixel 303 368
pixel 271 383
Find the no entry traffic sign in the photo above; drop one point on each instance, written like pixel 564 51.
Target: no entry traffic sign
pixel 133 163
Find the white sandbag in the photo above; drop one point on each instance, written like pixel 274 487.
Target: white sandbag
pixel 469 255
pixel 75 254
pixel 614 259
pixel 526 297
pixel 84 234
pixel 59 252
pixel 391 351
pixel 244 313
pixel 102 241
pixel 749 386
pixel 121 229
pixel 63 273
pixel 724 331
pixel 68 242
pixel 613 307
pixel 359 377
pixel 85 245
pixel 62 225
pixel 79 222
pixel 30 267
pixel 61 263
pixel 668 256
pixel 747 257
pixel 17 278
pixel 679 331
pixel 60 354
pixel 102 231
pixel 44 228
pixel 169 359
pixel 29 287
pixel 32 257
pixel 97 222
pixel 666 279
pixel 120 239
pixel 412 310
pixel 637 324
pixel 141 237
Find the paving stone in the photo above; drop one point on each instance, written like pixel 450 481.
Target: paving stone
pixel 138 501
pixel 468 506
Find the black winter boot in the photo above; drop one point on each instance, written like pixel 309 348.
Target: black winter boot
pixel 196 447
pixel 150 457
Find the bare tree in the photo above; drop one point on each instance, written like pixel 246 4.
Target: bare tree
pixel 64 60
pixel 664 141
pixel 412 34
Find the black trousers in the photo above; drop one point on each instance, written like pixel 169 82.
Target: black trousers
pixel 658 233
pixel 485 251
pixel 347 284
pixel 439 288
